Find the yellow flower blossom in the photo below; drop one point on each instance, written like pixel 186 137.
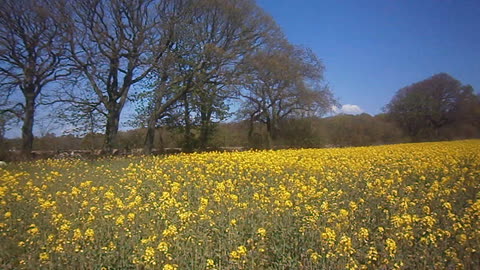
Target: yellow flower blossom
pixel 169 267
pixel 363 233
pixel 170 231
pixel 149 256
pixel 314 256
pixel 77 234
pixel 210 263
pixel 163 247
pixel 372 254
pixel 120 220
pixel 329 235
pixel 262 232
pixel 89 234
pixel 44 257
pixel 33 230
pixel 391 247
pixel 240 252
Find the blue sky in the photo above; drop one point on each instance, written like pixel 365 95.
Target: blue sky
pixel 372 48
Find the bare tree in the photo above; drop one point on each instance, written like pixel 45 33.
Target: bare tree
pixel 280 82
pixel 115 44
pixel 31 57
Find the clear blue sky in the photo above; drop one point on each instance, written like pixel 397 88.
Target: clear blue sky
pixel 372 48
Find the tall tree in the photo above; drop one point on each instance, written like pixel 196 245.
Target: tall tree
pixel 424 108
pixel 282 82
pixel 115 44
pixel 214 38
pixel 31 57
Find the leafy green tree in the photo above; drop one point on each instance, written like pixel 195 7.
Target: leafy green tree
pixel 425 108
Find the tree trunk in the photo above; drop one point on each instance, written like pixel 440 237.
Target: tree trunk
pixel 150 136
pixel 161 144
pixel 273 126
pixel 205 130
pixel 204 134
pixel 2 131
pixel 250 131
pixel 188 144
pixel 111 130
pixel 251 127
pixel 27 128
pixel 269 133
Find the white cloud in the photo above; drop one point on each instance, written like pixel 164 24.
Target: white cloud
pixel 351 109
pixel 347 109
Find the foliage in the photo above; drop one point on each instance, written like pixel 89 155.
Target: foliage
pixel 360 130
pixel 409 206
pixel 429 109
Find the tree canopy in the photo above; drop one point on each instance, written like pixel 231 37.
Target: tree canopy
pixel 433 107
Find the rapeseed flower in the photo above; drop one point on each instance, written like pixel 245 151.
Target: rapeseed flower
pixel 393 206
pixel 262 232
pixel 391 247
pixel 89 234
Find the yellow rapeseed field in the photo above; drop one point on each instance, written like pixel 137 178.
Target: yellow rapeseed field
pixel 409 206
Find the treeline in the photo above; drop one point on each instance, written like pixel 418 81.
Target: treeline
pixel 337 131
